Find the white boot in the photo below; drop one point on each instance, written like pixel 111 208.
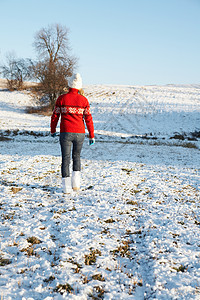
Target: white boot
pixel 66 185
pixel 76 180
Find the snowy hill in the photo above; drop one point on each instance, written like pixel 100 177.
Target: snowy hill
pixel 133 230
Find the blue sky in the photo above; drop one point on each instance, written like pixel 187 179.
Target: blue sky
pixel 131 42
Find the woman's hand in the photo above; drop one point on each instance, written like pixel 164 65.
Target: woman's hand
pixel 91 141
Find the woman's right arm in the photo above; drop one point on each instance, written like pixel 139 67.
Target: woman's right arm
pixel 89 121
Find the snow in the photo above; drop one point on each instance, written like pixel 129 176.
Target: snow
pixel 132 232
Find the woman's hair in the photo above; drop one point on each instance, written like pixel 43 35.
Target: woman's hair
pixel 81 91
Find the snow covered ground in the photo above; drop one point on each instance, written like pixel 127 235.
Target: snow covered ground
pixel 132 232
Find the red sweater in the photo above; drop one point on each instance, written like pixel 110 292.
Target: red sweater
pixel 74 108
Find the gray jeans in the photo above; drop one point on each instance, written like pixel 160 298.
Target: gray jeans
pixel 67 140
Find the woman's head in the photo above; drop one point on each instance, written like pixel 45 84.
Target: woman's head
pixel 75 81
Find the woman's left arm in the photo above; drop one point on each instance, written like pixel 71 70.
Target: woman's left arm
pixel 55 116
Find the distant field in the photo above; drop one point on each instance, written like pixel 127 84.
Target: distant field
pixel 3 83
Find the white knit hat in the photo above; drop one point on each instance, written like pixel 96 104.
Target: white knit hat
pixel 75 81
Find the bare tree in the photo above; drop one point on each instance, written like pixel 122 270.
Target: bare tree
pixel 52 43
pixel 54 64
pixel 16 71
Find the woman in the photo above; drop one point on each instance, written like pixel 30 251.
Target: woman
pixel 74 109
